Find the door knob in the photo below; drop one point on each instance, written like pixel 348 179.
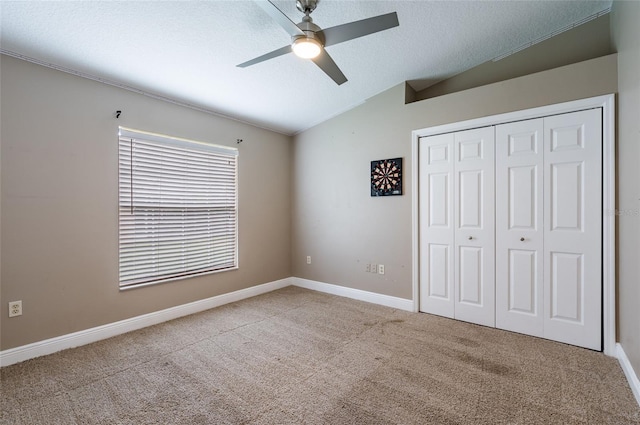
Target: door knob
pixel 521 239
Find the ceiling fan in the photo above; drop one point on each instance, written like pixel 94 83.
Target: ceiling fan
pixel 309 40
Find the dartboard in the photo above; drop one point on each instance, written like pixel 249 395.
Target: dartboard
pixel 386 177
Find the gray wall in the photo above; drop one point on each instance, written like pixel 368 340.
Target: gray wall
pixel 587 41
pixel 334 218
pixel 59 202
pixel 625 17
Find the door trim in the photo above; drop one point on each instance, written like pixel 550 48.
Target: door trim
pixel 607 103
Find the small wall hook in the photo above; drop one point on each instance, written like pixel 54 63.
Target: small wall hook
pixel 118 114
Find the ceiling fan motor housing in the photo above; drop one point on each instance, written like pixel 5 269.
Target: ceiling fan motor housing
pixel 310 30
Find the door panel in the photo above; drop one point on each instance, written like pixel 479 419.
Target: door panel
pixel 573 225
pixel 439 278
pixel 438 154
pixel 523 197
pixel 439 200
pixel 474 226
pixel 526 143
pixel 523 282
pixel 519 230
pixel 567 207
pixel 470 149
pixel 470 274
pixel 567 137
pixel 436 162
pixel 567 287
pixel 470 199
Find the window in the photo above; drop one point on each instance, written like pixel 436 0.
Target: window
pixel 178 208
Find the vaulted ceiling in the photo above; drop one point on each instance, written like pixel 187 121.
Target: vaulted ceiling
pixel 188 50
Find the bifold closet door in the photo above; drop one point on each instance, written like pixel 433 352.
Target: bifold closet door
pixel 573 228
pixel 474 209
pixel 436 174
pixel 549 224
pixel 519 229
pixel 523 251
pixel 457 234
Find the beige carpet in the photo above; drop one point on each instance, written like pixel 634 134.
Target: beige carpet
pixel 296 356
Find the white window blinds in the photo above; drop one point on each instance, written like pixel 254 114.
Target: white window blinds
pixel 178 208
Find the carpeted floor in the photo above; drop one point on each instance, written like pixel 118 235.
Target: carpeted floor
pixel 296 356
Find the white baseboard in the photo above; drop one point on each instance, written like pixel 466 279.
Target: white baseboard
pixel 634 383
pixel 356 294
pixel 87 336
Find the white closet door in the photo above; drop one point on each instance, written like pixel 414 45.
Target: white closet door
pixel 474 206
pixel 573 208
pixel 519 230
pixel 436 164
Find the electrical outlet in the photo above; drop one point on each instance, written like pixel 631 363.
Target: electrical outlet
pixel 380 268
pixel 367 268
pixel 374 268
pixel 15 308
pixel 308 259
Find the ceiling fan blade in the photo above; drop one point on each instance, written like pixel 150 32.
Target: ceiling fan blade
pixel 346 32
pixel 330 68
pixel 279 52
pixel 282 19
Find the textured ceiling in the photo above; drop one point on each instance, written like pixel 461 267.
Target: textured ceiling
pixel 188 50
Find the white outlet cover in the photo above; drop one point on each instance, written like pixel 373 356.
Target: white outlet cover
pixel 15 308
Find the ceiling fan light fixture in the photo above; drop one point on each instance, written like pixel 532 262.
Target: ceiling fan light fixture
pixel 306 47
